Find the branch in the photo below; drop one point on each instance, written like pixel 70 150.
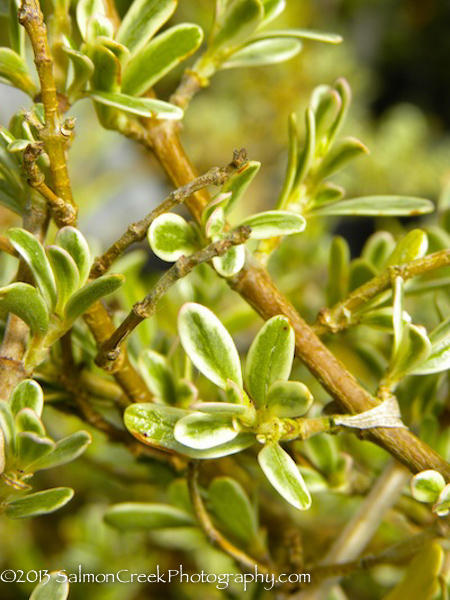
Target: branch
pixel 63 212
pixel 52 135
pixel 253 283
pixel 136 231
pixel 191 83
pixel 145 308
pixel 338 317
pixel 245 562
pixel 6 246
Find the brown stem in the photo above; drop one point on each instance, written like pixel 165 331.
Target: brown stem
pixel 245 562
pixel 338 317
pixel 136 231
pixel 6 246
pixel 254 284
pixel 145 308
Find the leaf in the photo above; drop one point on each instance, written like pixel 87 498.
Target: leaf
pixel 413 350
pixel 272 8
pixel 209 345
pixel 343 152
pixel 284 475
pixel 291 167
pixel 328 192
pixel 98 26
pixel 214 219
pixel 16 31
pixel 230 263
pixel 303 34
pixel 439 359
pixel 171 237
pixel 153 425
pixel 83 69
pixel 398 322
pixel 13 70
pixel 202 431
pixel 237 22
pixel 144 107
pixel 85 9
pixel 233 508
pixel 274 223
pixel 25 301
pixel 230 408
pixel 27 394
pixel 66 450
pixel 142 21
pixel 159 56
pixel 288 399
pixel 52 589
pixel 158 376
pixel 8 428
pixel 414 245
pixel 66 275
pixel 382 318
pixel 378 248
pixel 80 302
pixel 270 357
pixel 139 515
pixel 107 77
pixel 306 156
pixel 338 270
pixel 2 452
pixel 40 503
pixel 72 240
pixel 421 577
pixel 32 251
pixel 263 52
pixel 327 105
pixel 381 206
pixel 31 447
pixel 239 182
pixel 361 271
pixel 27 420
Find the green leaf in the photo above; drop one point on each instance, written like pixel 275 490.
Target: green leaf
pixel 398 322
pixel 376 206
pixel 328 192
pixel 209 345
pixel 413 350
pixel 8 428
pixel 66 450
pixel 31 447
pixel 52 589
pixel 66 275
pixel 414 245
pixel 27 420
pixel 14 71
pixel 343 152
pixel 239 182
pixel 236 23
pixel 272 9
pixel 40 503
pixel 230 263
pixel 98 26
pixel 274 223
pixel 32 251
pixel 11 196
pixel 158 376
pixel 214 219
pixel 270 357
pixel 421 577
pixel 107 72
pixel 144 107
pixel 327 104
pixel 263 52
pixel 202 431
pixel 83 69
pixel 306 156
pixel 382 318
pixel 303 34
pixel 153 425
pixel 378 248
pixel 2 452
pixel 72 240
pixel 25 301
pixel 139 515
pixel 291 167
pixel 159 56
pixel 230 408
pixel 231 505
pixel 439 359
pixel 171 237
pixel 361 271
pixel 442 504
pixel 85 10
pixel 80 302
pixel 338 270
pixel 289 399
pixel 284 475
pixel 142 21
pixel 16 31
pixel 27 394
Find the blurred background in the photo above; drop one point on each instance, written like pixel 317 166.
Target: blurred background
pixel 395 56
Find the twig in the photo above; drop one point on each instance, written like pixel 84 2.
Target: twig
pixel 191 83
pixel 145 308
pixel 338 317
pixel 6 246
pixel 245 562
pixel 63 212
pixel 52 135
pixel 137 231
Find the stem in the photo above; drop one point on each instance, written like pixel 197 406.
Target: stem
pixel 136 231
pixel 6 246
pixel 338 317
pixel 145 308
pixel 54 140
pixel 245 562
